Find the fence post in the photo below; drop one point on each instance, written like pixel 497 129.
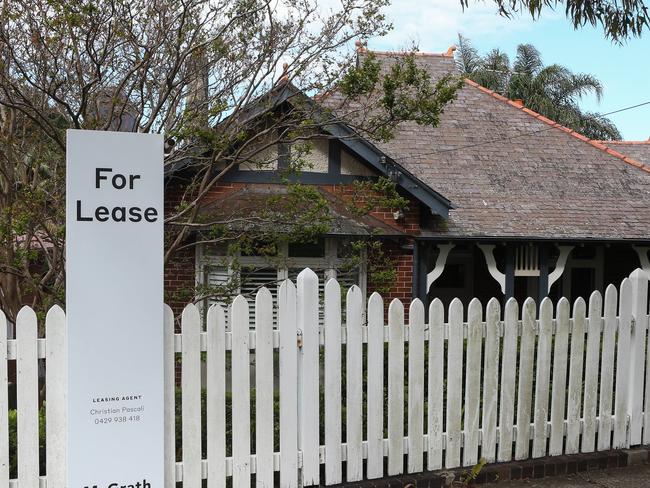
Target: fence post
pixel 638 354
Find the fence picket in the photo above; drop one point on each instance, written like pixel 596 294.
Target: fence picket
pixel 591 373
pixel 435 393
pixel 560 365
pixel 396 388
pixel 542 378
pixel 169 372
pixel 241 403
pixel 639 281
pixel 288 385
pixel 308 375
pixel 27 398
pixel 574 395
pixel 264 388
pixel 640 311
pixel 454 384
pixel 56 407
pixel 191 395
pixel 472 382
pixel 490 382
pixel 4 405
pixel 333 472
pixel 375 464
pixel 416 387
pixel 525 389
pixel 354 384
pixel 216 397
pixel 607 370
pixel 508 376
pixel 623 366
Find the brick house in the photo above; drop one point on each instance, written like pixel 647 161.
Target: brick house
pixel 502 202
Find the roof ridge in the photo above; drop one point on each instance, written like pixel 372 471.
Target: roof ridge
pixel 597 144
pixel 625 142
pixel 448 54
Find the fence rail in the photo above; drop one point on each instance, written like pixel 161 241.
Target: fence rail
pixel 361 400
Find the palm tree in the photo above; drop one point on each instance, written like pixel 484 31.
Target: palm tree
pixel 553 91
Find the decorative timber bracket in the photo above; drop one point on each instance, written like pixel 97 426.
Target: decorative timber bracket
pixel 560 265
pixel 642 251
pixel 499 277
pixel 441 260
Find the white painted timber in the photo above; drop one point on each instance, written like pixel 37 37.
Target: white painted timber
pixel 241 416
pixel 435 394
pixel 191 395
pixel 508 374
pixel 354 384
pixel 56 376
pixel 27 398
pixel 638 354
pixel 416 388
pixel 396 388
pixel 607 370
pixel 542 377
pixel 576 363
pixel 490 382
pixel 590 404
pixel 525 388
pixel 375 465
pixel 288 385
pixel 308 375
pixel 454 384
pixel 169 372
pixel 216 397
pixel 264 389
pixel 472 383
pixel 623 346
pixel 560 368
pixel 333 471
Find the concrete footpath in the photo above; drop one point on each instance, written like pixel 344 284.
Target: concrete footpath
pixel 636 476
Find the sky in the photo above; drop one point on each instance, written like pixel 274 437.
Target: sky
pixel 624 70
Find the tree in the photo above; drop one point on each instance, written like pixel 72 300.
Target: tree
pixel 207 73
pixel 619 20
pixel 553 91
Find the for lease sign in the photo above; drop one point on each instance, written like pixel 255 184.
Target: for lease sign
pixel 114 302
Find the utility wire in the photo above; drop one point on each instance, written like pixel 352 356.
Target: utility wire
pixel 492 141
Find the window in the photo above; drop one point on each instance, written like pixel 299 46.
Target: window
pixel 324 257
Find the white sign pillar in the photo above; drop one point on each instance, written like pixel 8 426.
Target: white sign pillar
pixel 114 302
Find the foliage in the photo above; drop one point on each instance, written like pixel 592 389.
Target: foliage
pixel 474 472
pixel 381 270
pixel 619 20
pixel 553 91
pixel 381 194
pixel 206 73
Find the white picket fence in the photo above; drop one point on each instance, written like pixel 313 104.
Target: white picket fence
pixel 484 387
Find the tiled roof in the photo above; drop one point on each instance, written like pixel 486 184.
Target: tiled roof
pixel 242 209
pixel 512 173
pixel 638 150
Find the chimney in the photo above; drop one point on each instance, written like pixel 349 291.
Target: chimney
pixel 197 98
